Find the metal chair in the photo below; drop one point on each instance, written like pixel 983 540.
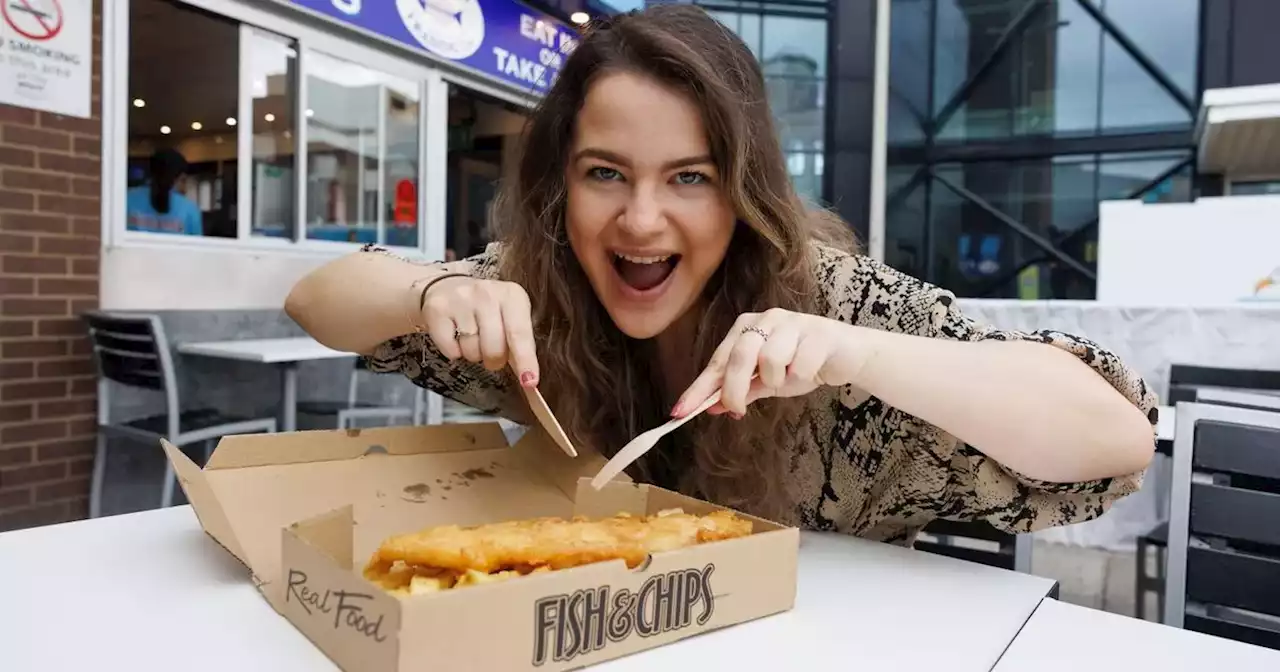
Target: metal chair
pixel 349 411
pixel 1187 381
pixel 1156 541
pixel 1152 544
pixel 978 542
pixel 132 350
pixel 1224 527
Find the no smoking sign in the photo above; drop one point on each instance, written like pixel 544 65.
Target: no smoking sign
pixel 38 20
pixel 46 55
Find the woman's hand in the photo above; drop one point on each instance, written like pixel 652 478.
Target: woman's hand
pixel 483 321
pixel 777 353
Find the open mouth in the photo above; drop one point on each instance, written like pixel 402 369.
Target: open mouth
pixel 643 273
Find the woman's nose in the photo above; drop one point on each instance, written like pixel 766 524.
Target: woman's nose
pixel 643 215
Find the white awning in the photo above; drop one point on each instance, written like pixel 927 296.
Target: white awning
pixel 1238 131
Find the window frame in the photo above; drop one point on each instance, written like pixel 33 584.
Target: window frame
pixel 307 36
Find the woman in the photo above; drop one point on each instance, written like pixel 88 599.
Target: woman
pixel 653 251
pixel 158 206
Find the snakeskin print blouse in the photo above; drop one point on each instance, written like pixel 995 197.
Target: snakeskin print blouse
pixel 862 467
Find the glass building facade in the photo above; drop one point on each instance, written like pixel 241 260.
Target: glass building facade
pixel 790 41
pixel 1009 120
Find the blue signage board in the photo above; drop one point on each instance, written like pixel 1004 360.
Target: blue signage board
pixel 501 38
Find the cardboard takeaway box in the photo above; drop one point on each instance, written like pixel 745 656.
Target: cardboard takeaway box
pixel 304 511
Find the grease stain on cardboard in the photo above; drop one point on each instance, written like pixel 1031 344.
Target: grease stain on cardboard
pixel 418 492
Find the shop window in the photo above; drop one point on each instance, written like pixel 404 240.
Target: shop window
pixel 181 108
pixel 272 64
pixel 483 138
pixel 362 153
pixel 223 120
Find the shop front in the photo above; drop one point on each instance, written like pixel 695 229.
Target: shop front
pixel 244 143
pixel 302 129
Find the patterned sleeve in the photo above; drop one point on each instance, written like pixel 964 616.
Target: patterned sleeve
pixel 416 357
pixel 974 486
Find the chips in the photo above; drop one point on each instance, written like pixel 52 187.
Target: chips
pixel 450 557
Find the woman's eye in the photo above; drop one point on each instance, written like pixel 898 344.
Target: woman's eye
pixel 605 174
pixel 690 177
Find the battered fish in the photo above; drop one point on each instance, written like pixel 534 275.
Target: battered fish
pixel 441 558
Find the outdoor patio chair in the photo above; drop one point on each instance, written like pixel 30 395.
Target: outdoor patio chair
pixel 131 350
pixel 1154 543
pixel 977 542
pixel 1223 575
pixel 350 410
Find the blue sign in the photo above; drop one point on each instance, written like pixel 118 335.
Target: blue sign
pixel 502 38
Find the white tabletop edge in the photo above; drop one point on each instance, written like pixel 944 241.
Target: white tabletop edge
pixel 265 350
pixel 1063 637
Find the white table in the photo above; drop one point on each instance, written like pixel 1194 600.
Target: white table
pixel 284 353
pixel 149 591
pixel 1063 637
pixel 863 605
pixel 144 591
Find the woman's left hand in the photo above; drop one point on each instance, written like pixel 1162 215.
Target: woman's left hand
pixel 777 353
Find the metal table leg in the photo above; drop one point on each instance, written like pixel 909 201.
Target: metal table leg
pixel 289 384
pixel 1022 544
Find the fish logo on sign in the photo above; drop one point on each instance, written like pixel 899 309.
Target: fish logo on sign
pixel 1268 288
pixel 453 29
pixel 37 20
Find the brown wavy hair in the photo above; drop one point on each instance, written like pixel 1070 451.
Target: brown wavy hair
pixel 605 387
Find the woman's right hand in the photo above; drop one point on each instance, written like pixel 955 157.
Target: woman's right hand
pixel 483 321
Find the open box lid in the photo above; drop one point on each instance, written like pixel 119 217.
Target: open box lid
pixel 395 478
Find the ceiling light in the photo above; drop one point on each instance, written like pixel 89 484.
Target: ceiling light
pixel 165 130
pixel 579 17
pixel 195 125
pixel 138 102
pixel 310 113
pixel 269 117
pixel 231 121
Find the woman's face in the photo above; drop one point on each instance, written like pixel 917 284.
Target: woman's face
pixel 646 214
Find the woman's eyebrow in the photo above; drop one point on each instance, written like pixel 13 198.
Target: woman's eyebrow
pixel 616 158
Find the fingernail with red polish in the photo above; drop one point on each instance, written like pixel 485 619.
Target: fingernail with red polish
pixel 528 379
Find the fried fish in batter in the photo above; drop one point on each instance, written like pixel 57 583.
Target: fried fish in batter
pixel 445 557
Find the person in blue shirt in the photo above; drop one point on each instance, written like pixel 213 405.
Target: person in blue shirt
pixel 158 206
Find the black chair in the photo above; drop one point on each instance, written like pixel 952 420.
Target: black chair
pixel 1224 528
pixel 1154 542
pixel 351 410
pixel 1185 380
pixel 978 542
pixel 132 350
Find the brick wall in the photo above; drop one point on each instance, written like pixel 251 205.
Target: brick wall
pixel 49 247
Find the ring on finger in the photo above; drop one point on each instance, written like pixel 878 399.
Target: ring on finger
pixel 460 333
pixel 756 330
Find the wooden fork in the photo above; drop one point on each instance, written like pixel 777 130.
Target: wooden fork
pixel 637 447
